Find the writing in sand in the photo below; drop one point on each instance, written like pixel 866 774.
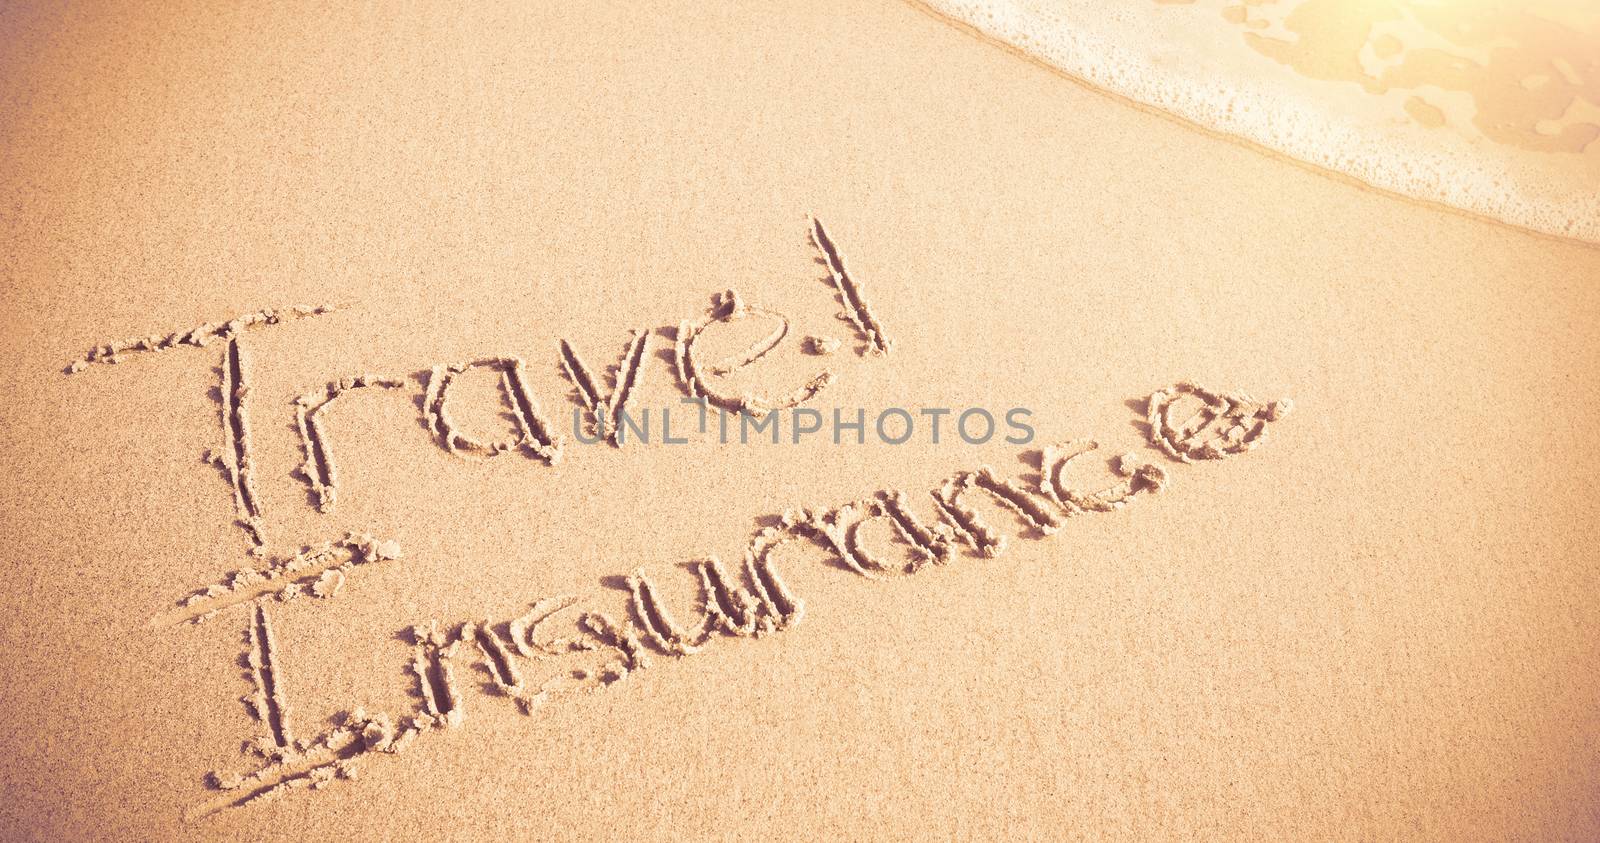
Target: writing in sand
pixel 560 646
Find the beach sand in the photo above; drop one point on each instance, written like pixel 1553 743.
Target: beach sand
pixel 1376 624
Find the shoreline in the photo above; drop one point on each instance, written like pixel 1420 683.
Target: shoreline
pixel 1255 146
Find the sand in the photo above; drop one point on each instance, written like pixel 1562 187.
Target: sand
pixel 377 571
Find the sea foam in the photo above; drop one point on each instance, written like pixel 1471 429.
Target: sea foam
pixel 1489 107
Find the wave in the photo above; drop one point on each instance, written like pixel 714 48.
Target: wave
pixel 1488 106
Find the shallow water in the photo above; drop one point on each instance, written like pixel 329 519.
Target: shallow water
pixel 1488 106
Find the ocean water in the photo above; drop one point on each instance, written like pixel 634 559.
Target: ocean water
pixel 1489 106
